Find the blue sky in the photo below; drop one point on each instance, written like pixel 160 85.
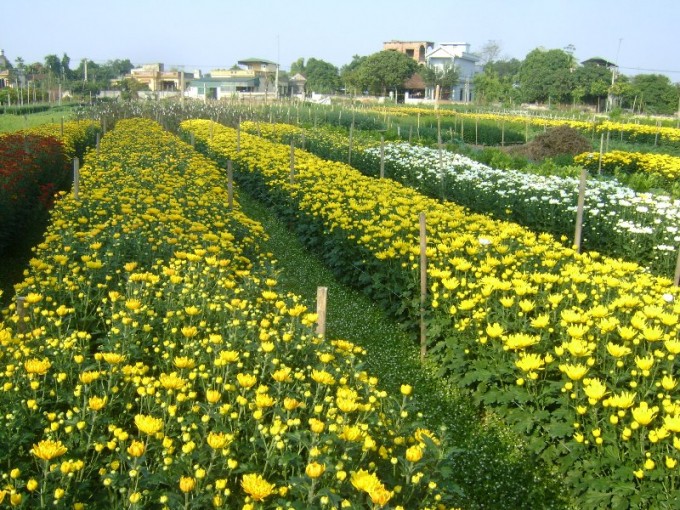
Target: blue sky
pixel 209 34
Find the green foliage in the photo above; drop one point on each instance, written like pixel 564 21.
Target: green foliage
pixel 546 74
pixel 322 76
pixel 656 92
pixel 386 70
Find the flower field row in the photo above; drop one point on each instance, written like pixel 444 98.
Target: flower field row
pixel 663 165
pixel 76 135
pixel 643 133
pixel 577 351
pixel 152 361
pixel 32 168
pixel 618 221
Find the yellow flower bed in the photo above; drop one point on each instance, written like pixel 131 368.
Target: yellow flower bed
pixel 634 131
pixel 579 349
pixel 152 361
pixel 76 133
pixel 660 164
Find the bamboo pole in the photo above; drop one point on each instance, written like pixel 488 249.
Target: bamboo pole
pixel 349 153
pixel 579 209
pixel 321 301
pixel 677 271
pixel 98 140
pixel 76 177
pixel 599 165
pixel 382 156
pixel 238 135
pixel 423 286
pixel 230 184
pixel 292 162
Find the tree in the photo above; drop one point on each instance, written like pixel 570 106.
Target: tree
pixel 488 86
pixel 53 65
pixel 446 77
pixel 129 88
pixel 386 70
pixel 349 75
pixel 546 75
pixel 490 52
pixel 321 76
pixel 591 83
pixel 656 92
pixel 65 71
pixel 298 66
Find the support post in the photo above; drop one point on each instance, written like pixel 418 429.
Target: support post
pixel 351 134
pixel 423 286
pixel 321 300
pixel 76 177
pixel 599 164
pixel 238 135
pixel 292 162
pixel 382 156
pixel 677 271
pixel 579 209
pixel 230 184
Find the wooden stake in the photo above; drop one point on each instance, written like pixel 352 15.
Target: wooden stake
pixel 76 177
pixel 321 299
pixel 292 162
pixel 423 286
pixel 349 154
pixel 192 139
pixel 677 271
pixel 382 156
pixel 62 126
pixel 476 130
pixel 579 209
pixel 98 142
pixel 599 166
pixel 230 184
pixel 238 135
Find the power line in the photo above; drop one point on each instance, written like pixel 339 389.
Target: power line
pixel 650 70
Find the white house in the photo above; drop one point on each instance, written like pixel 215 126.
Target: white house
pixel 459 56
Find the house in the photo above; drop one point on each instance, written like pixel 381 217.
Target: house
pixel 158 79
pixel 211 87
pixel 457 55
pixel 599 62
pixel 5 70
pixel 417 50
pixel 297 84
pixel 259 78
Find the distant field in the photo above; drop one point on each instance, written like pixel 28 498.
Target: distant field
pixel 10 123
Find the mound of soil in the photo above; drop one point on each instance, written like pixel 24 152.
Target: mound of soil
pixel 557 141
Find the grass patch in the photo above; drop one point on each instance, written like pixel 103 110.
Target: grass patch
pixel 493 465
pixel 10 123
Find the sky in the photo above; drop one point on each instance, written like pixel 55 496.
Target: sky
pixel 642 37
